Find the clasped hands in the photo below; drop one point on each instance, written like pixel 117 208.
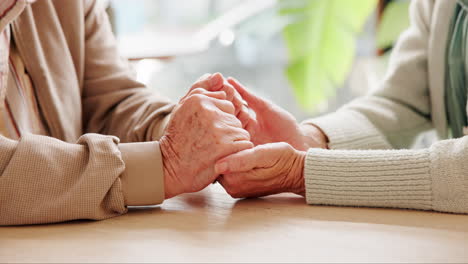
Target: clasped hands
pixel 220 131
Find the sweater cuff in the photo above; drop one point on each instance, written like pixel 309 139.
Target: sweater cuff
pixel 372 178
pixel 143 178
pixel 349 130
pixel 449 180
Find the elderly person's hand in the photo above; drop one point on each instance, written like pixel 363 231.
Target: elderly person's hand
pixel 216 82
pixel 263 170
pixel 203 128
pixel 273 124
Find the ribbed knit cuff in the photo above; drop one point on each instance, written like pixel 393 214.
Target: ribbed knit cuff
pixel 372 178
pixel 346 129
pixel 449 159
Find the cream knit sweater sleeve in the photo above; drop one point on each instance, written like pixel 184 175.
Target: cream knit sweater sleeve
pixel 367 165
pixel 428 179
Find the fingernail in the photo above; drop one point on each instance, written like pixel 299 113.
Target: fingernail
pixel 221 168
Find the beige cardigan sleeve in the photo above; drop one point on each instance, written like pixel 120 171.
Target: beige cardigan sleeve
pixel 114 103
pixel 352 174
pixel 45 180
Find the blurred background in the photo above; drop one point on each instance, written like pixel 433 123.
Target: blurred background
pixel 308 56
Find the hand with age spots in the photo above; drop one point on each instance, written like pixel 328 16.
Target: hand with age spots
pixel 215 83
pixel 203 128
pixel 268 168
pixel 263 170
pixel 266 122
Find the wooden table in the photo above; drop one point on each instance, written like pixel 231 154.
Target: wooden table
pixel 212 227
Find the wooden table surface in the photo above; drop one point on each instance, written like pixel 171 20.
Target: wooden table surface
pixel 212 227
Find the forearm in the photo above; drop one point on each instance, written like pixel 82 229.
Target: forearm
pixel 44 180
pixel 397 111
pixel 140 118
pixel 313 136
pixel 429 179
pixel 349 130
pixel 114 103
pixel 132 115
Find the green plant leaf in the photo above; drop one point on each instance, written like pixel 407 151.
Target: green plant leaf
pixel 395 19
pixel 321 45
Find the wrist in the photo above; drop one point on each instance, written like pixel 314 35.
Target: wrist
pixel 168 156
pixel 314 137
pixel 297 173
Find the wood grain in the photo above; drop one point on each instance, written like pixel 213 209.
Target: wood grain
pixel 212 227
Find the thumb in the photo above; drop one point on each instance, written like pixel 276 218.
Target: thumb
pixel 238 162
pixel 245 160
pixel 210 82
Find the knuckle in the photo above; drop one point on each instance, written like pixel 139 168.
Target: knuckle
pixel 198 97
pixel 241 139
pixel 232 120
pixel 230 106
pixel 244 134
pixel 249 145
pixel 229 95
pixel 220 127
pixel 228 88
pixel 218 133
pixel 195 100
pixel 285 146
pixel 239 105
pixel 237 123
pixel 212 114
pixel 198 90
pixel 222 93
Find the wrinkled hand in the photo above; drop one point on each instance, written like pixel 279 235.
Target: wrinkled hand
pixel 263 170
pixel 202 129
pixel 216 82
pixel 273 124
